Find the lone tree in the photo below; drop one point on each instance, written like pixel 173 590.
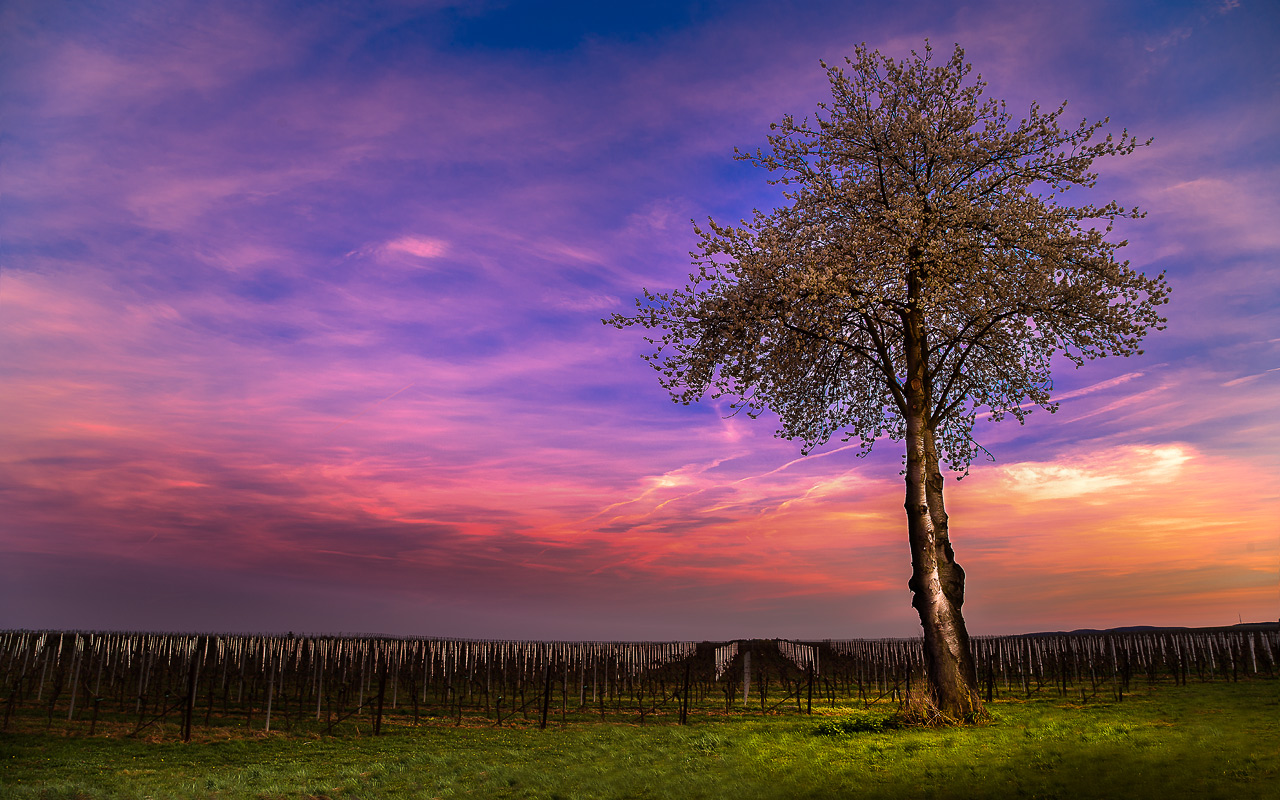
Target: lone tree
pixel 923 273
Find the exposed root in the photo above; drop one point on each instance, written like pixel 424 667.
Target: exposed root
pixel 918 710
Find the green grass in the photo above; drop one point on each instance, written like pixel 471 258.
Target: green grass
pixel 1212 740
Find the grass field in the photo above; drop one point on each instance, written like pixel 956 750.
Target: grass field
pixel 1216 740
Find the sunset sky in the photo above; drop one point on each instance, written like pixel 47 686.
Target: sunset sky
pixel 300 325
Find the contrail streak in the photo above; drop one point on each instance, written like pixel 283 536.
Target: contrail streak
pixel 367 410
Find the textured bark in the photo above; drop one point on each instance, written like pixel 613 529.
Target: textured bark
pixel 937 581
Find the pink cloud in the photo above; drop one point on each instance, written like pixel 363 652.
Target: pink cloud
pixel 420 246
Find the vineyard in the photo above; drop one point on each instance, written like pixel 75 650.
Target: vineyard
pixel 167 685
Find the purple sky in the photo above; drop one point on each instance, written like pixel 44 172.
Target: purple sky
pixel 300 325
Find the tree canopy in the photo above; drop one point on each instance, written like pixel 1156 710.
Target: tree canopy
pixel 912 200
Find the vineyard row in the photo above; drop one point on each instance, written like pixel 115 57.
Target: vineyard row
pixel 168 684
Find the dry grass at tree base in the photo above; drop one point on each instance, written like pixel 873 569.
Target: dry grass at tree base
pixel 1211 740
pixel 917 709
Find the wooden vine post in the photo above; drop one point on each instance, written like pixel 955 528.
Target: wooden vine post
pixel 546 689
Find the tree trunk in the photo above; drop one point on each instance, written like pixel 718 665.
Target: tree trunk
pixel 937 581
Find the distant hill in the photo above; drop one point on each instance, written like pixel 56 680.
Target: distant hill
pixel 1243 626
